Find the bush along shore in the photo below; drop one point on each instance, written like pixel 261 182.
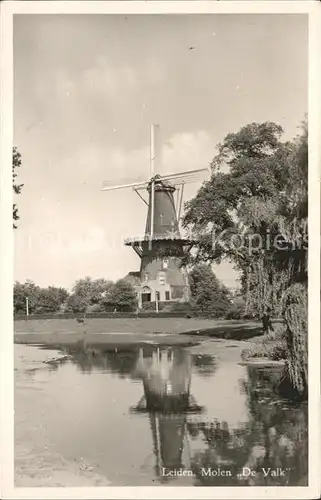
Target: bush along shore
pixel 269 347
pixel 287 345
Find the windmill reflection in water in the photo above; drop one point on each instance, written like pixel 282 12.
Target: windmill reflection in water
pixel 166 376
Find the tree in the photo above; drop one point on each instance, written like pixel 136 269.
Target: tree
pixel 236 215
pixel 16 163
pixel 40 300
pixel 88 292
pixel 262 203
pixel 22 291
pixel 51 299
pixel 209 295
pixel 123 296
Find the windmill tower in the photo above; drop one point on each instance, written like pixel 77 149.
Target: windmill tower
pixel 161 277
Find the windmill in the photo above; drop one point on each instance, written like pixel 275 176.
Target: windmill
pixel 162 246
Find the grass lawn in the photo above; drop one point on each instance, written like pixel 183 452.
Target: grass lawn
pixel 105 330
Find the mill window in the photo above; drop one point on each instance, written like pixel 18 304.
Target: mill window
pixel 161 279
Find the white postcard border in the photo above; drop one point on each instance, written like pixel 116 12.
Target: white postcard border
pixel 8 9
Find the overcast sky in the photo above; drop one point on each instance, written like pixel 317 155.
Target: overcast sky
pixel 87 88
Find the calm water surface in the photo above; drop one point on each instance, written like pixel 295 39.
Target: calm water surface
pixel 130 414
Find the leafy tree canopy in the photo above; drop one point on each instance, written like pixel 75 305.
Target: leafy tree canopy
pixel 40 300
pixel 123 295
pixel 88 292
pixel 103 294
pixel 257 193
pixel 209 295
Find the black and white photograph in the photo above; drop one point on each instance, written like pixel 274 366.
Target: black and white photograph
pixel 162 182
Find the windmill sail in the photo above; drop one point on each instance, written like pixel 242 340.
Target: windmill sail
pixel 183 175
pixel 140 184
pixel 124 182
pixel 112 187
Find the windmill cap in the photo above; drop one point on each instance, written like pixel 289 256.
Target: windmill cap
pixel 160 184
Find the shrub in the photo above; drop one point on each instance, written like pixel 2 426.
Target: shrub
pixel 184 307
pixel 149 306
pixel 168 307
pixel 236 310
pixel 271 346
pixel 94 308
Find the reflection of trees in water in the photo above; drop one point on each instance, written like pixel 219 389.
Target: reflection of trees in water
pixel 285 425
pixel 90 358
pixel 123 361
pixel 225 449
pixel 276 436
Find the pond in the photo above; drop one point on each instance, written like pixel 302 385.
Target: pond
pixel 153 415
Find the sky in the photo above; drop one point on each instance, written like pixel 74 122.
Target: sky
pixel 86 90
